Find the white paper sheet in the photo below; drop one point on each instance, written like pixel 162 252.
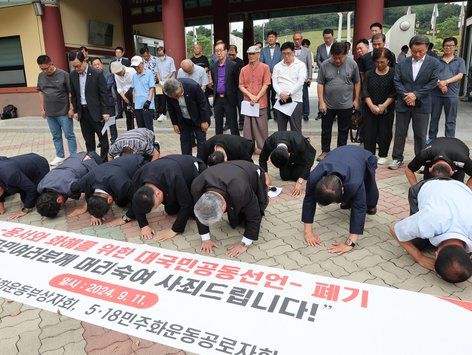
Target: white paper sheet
pixel 274 193
pixel 111 121
pixel 249 110
pixel 286 109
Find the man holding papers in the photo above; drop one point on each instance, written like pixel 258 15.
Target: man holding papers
pixel 254 80
pixel 288 79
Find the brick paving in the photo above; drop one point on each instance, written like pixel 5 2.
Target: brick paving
pixel 378 260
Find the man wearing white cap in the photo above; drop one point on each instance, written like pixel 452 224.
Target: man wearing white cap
pixel 143 94
pixel 254 80
pixel 124 86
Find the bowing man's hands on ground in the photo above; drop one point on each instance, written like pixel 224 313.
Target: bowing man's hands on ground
pixel 94 221
pixel 297 189
pixel 207 246
pixel 116 222
pixel 339 248
pixel 78 211
pixel 236 250
pixel 20 213
pixel 165 235
pixel 147 233
pixel 312 239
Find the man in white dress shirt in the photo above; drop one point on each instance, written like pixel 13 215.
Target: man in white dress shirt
pixel 288 79
pixel 444 220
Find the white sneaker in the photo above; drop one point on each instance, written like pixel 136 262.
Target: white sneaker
pixel 382 161
pixel 162 118
pixel 56 161
pixel 395 164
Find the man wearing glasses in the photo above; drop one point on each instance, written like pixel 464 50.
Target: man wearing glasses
pixel 54 90
pixel 288 79
pixel 446 94
pixel 225 76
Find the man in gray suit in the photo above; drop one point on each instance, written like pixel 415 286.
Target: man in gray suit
pixel 323 51
pixel 415 78
pixel 304 55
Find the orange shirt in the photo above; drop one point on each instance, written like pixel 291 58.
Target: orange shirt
pixel 253 77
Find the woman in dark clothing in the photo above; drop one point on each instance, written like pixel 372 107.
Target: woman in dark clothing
pixel 379 91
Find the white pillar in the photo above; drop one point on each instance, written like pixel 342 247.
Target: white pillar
pixel 348 29
pixel 340 26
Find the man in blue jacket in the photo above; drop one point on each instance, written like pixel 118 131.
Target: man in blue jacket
pixel 189 112
pixel 271 55
pixel 345 176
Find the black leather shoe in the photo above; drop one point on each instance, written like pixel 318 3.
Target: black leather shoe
pixel 345 206
pixel 305 118
pixel 225 127
pixel 372 211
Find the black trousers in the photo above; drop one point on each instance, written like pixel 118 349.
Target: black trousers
pixel 223 108
pixel 145 118
pixel 188 132
pixel 127 110
pixel 344 121
pixel 161 106
pixel 378 129
pixel 89 128
pixel 241 117
pixel 272 98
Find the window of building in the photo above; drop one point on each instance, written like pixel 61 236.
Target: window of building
pixel 12 69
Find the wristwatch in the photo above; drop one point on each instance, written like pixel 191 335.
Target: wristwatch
pixel 350 243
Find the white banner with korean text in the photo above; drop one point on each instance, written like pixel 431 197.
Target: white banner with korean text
pixel 209 305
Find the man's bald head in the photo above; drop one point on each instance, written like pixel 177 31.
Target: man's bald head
pixel 187 66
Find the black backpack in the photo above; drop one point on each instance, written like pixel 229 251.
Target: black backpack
pixel 9 111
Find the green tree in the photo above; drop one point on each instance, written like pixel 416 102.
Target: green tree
pixel 205 42
pixel 448 28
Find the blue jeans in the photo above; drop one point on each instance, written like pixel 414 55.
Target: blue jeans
pixel 57 125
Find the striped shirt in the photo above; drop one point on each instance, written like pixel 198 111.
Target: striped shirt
pixel 140 140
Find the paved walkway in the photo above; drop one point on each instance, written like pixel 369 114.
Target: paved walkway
pixel 378 260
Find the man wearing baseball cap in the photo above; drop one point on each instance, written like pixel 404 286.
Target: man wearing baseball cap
pixel 124 87
pixel 451 153
pixel 143 94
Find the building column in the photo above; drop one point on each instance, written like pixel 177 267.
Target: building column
pixel 127 29
pixel 248 35
pixel 220 21
pixel 367 12
pixel 53 34
pixel 174 29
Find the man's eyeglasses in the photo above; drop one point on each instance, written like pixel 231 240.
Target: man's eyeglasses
pixel 45 69
pixel 449 45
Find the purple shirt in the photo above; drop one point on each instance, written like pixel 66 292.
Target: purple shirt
pixel 220 86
